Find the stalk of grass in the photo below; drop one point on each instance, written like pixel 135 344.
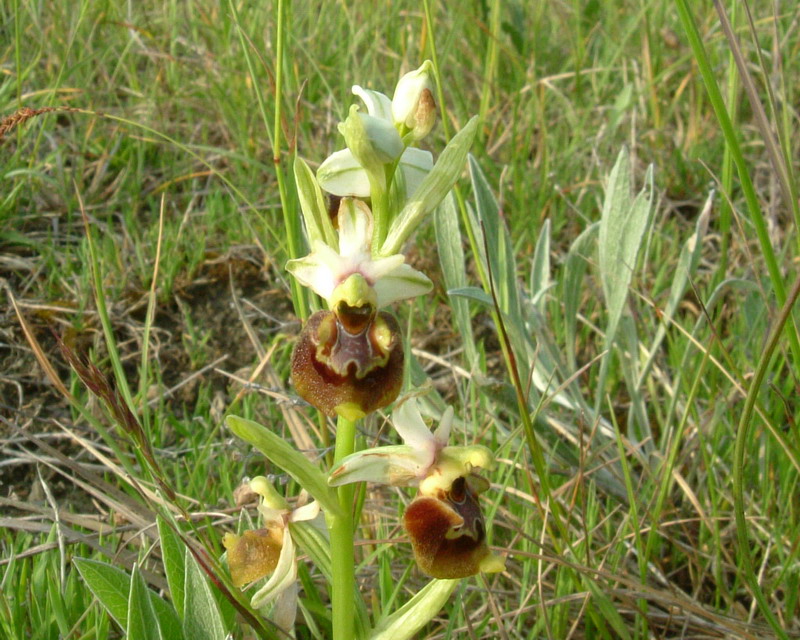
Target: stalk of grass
pixel 490 62
pixel 739 460
pixel 102 309
pixel 725 209
pixel 732 141
pixel 290 219
pixel 777 150
pixel 144 367
pixel 642 555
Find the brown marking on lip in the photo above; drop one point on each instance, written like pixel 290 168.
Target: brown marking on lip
pixel 447 533
pixel 331 368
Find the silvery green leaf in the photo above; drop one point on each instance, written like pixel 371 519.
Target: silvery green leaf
pixel 575 266
pixel 172 553
pixel 432 190
pixel 312 204
pixel 416 613
pixel 501 258
pixel 111 586
pixel 201 616
pixel 289 459
pixel 489 229
pixel 623 224
pixel 142 621
pixel 540 269
pixel 638 430
pixel 451 257
pixel 472 293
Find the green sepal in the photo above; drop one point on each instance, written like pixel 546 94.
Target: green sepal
pixel 312 204
pixel 416 613
pixel 283 455
pixel 432 190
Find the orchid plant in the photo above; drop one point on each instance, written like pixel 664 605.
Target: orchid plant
pixel 348 362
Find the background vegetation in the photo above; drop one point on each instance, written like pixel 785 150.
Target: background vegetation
pixel 687 422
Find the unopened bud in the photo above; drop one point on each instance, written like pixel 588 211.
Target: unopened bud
pixel 413 105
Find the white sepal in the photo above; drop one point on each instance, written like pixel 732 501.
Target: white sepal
pixel 395 465
pixel 377 104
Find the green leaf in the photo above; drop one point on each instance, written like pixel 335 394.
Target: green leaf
pixel 451 257
pixel 172 553
pixel 283 455
pixel 111 586
pixel 201 619
pixel 574 270
pixel 433 189
pixel 623 224
pixel 142 622
pixel 472 293
pixel 312 204
pixel 416 613
pixel 540 269
pixel 501 258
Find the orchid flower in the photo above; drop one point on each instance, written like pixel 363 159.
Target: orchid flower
pixel 338 274
pixel 444 521
pixel 349 361
pixel 271 550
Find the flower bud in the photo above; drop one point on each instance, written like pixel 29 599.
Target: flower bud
pixel 350 361
pixel 413 105
pixel 373 141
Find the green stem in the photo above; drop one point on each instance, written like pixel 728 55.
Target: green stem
pixel 379 193
pixel 342 538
